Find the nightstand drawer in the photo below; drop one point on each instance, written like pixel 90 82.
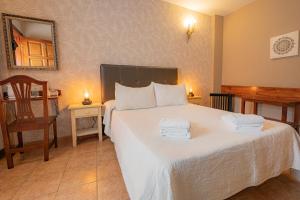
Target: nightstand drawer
pixel 86 112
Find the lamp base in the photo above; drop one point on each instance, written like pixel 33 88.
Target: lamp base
pixel 86 102
pixel 191 94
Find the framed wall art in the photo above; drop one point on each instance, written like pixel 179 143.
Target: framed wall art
pixel 284 45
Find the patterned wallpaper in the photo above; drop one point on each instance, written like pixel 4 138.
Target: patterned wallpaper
pixel 135 32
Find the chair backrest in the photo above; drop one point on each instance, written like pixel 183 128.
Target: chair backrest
pixel 21 86
pixel 221 101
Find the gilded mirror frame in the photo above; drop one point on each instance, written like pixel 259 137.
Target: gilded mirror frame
pixel 7 28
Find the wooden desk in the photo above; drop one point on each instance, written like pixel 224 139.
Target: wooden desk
pixel 53 99
pixel 32 98
pixel 283 97
pixel 283 103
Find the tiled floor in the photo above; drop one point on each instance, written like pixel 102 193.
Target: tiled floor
pixel 88 172
pixel 91 172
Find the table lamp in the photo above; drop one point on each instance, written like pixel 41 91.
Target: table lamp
pixel 191 94
pixel 86 100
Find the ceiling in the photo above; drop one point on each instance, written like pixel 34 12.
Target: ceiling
pixel 212 7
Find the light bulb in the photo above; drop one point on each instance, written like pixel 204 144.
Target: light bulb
pixel 86 95
pixel 189 22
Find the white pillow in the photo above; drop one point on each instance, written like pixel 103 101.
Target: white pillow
pixel 134 98
pixel 170 95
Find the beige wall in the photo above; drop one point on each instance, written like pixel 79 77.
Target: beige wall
pixel 246 59
pixel 247 34
pixel 217 51
pixel 137 32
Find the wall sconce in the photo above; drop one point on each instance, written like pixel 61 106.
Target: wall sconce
pixel 86 100
pixel 189 24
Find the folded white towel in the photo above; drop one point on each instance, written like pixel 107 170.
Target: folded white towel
pixel 184 134
pixel 240 122
pixel 174 123
pixel 249 129
pixel 180 130
pixel 172 131
pixel 241 119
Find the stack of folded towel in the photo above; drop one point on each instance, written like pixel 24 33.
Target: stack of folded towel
pixel 175 128
pixel 242 122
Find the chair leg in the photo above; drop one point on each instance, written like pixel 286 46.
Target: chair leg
pixel 8 154
pixel 9 159
pixel 20 141
pixel 55 133
pixel 46 144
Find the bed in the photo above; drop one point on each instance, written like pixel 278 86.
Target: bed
pixel 215 164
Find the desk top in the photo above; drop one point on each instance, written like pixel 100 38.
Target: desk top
pixel 265 94
pixel 271 100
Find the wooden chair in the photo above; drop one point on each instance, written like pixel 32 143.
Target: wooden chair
pixel 24 117
pixel 221 101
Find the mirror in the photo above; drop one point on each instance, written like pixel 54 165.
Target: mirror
pixel 30 42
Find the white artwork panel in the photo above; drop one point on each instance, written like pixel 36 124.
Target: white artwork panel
pixel 284 45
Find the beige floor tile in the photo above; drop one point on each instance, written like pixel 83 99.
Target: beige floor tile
pixel 39 185
pixel 81 192
pixel 46 197
pixel 50 176
pixel 89 145
pixel 112 189
pixel 50 167
pixel 105 145
pixel 7 182
pixel 78 176
pixel 42 197
pixel 108 154
pixel 8 194
pixel 80 160
pixel 61 154
pixel 108 169
pixel 20 169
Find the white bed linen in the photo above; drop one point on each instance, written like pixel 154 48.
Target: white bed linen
pixel 109 107
pixel 215 164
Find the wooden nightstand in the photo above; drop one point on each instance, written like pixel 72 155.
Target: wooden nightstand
pixel 81 111
pixel 195 100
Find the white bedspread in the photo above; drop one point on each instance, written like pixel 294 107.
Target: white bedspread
pixel 215 164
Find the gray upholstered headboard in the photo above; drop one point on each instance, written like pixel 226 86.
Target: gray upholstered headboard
pixel 133 76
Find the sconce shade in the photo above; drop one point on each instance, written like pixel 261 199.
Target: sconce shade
pixel 189 23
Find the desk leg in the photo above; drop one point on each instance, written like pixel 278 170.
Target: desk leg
pixel 255 108
pixel 243 105
pixel 74 134
pixel 100 128
pixel 284 113
pixel 56 106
